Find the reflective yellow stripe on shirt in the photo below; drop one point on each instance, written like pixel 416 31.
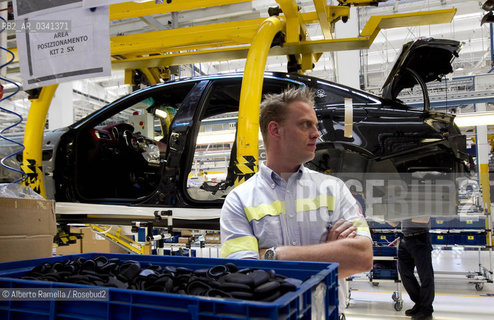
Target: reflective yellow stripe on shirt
pixel 245 243
pixel 322 200
pixel 257 213
pixel 361 225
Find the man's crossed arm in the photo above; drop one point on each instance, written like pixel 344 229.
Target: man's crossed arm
pixel 343 245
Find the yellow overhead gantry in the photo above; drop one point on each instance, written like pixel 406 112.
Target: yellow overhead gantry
pixel 251 39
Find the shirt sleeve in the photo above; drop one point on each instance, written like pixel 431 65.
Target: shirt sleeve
pixel 237 238
pixel 347 208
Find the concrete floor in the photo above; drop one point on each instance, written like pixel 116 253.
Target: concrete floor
pixel 456 298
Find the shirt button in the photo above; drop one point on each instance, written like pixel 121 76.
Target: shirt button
pixel 272 186
pixel 294 243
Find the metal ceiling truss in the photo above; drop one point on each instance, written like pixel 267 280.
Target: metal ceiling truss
pixel 232 40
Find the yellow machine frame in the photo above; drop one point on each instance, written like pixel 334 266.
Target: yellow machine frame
pixel 151 52
pixel 126 242
pixel 249 39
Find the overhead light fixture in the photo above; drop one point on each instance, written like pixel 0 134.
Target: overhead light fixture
pixel 473 119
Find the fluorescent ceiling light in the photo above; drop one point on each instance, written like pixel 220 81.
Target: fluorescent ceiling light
pixel 472 119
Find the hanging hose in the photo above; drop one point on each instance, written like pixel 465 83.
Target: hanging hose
pixel 3 161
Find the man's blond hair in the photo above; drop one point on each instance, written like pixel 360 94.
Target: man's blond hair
pixel 274 106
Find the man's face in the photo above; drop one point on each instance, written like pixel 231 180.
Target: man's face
pixel 298 133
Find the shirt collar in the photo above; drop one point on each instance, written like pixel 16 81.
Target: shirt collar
pixel 274 179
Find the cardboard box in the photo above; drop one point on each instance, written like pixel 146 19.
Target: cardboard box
pixel 213 238
pixel 186 232
pixel 183 239
pixel 27 229
pixel 73 248
pixel 93 242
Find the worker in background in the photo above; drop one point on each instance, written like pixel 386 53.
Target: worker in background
pixel 415 251
pixel 288 212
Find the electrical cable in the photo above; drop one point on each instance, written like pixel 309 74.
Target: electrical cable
pixel 18 88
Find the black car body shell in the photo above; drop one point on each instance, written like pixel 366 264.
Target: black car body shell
pixel 422 60
pixel 387 136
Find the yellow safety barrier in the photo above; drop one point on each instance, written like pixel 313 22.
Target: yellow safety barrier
pixel 32 156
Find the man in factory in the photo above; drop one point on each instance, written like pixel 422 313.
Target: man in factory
pixel 414 251
pixel 288 212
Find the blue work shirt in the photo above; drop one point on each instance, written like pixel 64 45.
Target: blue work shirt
pixel 267 211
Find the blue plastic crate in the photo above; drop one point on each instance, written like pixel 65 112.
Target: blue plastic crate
pixel 385 274
pixel 441 223
pixel 469 239
pixel 318 293
pixel 384 239
pixel 381 225
pixel 474 222
pixel 385 251
pixel 441 238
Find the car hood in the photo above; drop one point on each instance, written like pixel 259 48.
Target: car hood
pixel 428 58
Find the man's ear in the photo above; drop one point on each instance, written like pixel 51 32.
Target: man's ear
pixel 274 129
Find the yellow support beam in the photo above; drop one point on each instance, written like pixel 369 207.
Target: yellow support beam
pixel 485 183
pixel 360 3
pixel 209 42
pixel 321 9
pixel 370 31
pixel 334 13
pixel 129 77
pixel 130 9
pixel 293 20
pixel 189 38
pixel 221 54
pixel 308 61
pixel 240 52
pixel 122 240
pixel 150 76
pixel 377 23
pixel 294 24
pixel 208 36
pixel 250 99
pixel 32 156
pixel 248 30
pixel 296 30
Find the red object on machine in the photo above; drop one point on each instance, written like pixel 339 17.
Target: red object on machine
pixel 1 91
